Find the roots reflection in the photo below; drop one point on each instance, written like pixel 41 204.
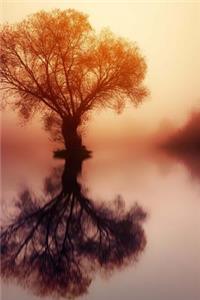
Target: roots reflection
pixel 57 247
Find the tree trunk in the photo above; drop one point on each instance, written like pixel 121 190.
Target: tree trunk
pixel 70 134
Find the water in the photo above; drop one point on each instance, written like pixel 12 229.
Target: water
pixel 166 187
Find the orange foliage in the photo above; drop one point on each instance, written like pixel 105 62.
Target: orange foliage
pixel 55 63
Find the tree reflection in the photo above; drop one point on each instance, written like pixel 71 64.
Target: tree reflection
pixel 56 248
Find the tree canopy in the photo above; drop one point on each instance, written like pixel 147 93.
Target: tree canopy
pixel 55 63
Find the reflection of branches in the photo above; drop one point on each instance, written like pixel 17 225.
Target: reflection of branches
pixel 55 249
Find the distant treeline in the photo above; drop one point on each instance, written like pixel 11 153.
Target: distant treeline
pixel 186 137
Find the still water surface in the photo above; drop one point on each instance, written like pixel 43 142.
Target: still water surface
pixel 168 188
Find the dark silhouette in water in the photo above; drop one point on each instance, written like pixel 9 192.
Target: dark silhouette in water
pixel 56 248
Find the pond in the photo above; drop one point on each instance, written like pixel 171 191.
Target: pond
pixel 166 187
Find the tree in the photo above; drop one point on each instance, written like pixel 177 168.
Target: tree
pixel 54 246
pixel 56 64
